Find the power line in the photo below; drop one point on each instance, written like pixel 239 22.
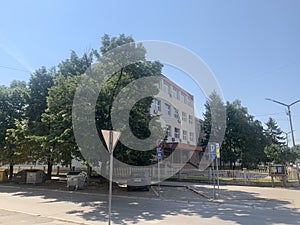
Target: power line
pixel 12 68
pixel 270 114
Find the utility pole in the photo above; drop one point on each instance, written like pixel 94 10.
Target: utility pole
pixel 289 114
pixel 286 137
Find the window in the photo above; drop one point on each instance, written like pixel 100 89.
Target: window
pixel 156 104
pixel 177 132
pixel 168 130
pixel 182 97
pixel 175 93
pixel 166 88
pixel 184 118
pixel 157 85
pixel 167 109
pixel 176 113
pixel 190 101
pixel 191 118
pixel 191 136
pixel 184 135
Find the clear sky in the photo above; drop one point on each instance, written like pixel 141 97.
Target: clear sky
pixel 252 46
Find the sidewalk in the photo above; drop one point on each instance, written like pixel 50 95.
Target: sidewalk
pixel 246 196
pixel 250 196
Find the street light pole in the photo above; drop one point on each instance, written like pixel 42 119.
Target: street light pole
pixel 289 113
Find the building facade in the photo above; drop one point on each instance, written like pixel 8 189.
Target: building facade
pixel 175 106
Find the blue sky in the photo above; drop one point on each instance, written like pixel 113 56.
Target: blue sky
pixel 252 46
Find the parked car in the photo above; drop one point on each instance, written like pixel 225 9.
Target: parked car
pixel 76 179
pixel 139 180
pixel 35 176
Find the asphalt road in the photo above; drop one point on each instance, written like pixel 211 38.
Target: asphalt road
pixel 38 205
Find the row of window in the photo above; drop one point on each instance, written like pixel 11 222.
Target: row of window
pixel 175 93
pixel 177 133
pixel 167 111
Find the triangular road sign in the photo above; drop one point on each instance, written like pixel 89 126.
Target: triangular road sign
pixel 111 138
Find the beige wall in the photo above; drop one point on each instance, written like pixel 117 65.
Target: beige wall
pixel 181 106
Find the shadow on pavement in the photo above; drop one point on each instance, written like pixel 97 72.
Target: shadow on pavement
pixel 247 207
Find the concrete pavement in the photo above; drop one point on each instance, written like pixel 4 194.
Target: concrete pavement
pixel 238 205
pixel 246 195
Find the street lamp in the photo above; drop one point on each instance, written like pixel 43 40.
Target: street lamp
pixel 289 114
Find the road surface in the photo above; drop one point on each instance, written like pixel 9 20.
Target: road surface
pixel 22 205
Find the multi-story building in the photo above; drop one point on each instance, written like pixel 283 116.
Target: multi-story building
pixel 176 108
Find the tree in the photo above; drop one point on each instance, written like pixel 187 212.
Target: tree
pixel 5 121
pixel 13 101
pixel 139 118
pixel 276 150
pixel 253 152
pixel 281 153
pixel 296 150
pixel 61 146
pixel 273 133
pixel 214 123
pixel 39 84
pixel 244 139
pixel 57 142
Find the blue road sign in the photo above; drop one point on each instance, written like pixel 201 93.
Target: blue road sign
pixel 212 150
pixel 159 152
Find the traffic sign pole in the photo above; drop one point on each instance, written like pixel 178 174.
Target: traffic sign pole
pixel 217 162
pixel 111 138
pixel 110 175
pixel 159 155
pixel 214 155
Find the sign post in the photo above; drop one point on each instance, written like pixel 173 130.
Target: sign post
pixel 217 162
pixel 111 138
pixel 159 155
pixel 214 155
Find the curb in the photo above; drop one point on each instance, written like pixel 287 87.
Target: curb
pixel 199 193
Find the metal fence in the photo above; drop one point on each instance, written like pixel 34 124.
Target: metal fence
pixel 166 170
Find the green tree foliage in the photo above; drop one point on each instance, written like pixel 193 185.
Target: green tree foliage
pixel 274 133
pixel 5 121
pixel 57 142
pixel 275 150
pixel 244 139
pixel 13 102
pixel 139 117
pixel 214 122
pixel 296 150
pixel 40 82
pixel 281 153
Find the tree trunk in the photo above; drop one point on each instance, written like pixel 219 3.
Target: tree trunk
pixel 114 91
pixel 11 171
pixel 49 170
pixel 89 170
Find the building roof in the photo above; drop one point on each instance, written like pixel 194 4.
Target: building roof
pixel 177 86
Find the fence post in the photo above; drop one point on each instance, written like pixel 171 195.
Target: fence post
pixel 245 175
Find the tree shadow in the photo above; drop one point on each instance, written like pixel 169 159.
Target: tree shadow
pixel 245 208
